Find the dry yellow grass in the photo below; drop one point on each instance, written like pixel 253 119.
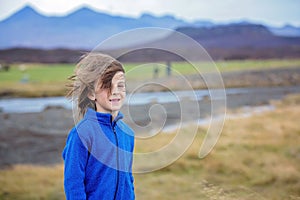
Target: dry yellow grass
pixel 255 158
pixel 29 182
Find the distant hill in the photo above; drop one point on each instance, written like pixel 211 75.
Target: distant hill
pixel 235 41
pixel 83 29
pixel 286 30
pixel 231 36
pixel 86 28
pixel 28 36
pixel 239 37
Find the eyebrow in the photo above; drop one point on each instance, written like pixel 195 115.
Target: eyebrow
pixel 120 81
pixel 121 78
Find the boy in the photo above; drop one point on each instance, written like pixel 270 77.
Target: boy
pixel 98 151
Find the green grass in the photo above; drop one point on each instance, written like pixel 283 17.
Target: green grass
pixel 35 79
pixel 138 71
pixel 50 79
pixel 39 73
pixel 257 64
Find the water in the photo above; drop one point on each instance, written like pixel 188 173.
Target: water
pixel 246 111
pixel 27 105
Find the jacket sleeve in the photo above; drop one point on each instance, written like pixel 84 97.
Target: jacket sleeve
pixel 75 157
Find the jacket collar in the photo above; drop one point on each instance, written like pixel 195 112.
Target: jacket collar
pixel 104 118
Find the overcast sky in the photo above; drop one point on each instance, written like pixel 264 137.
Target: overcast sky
pixel 272 12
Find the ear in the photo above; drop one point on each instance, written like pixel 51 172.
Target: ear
pixel 91 95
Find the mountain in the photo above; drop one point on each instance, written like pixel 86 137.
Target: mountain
pixel 244 41
pixel 235 41
pixel 82 29
pixel 286 30
pixel 237 36
pixel 63 39
pixel 86 28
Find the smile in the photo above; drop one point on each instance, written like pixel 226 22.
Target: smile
pixel 114 100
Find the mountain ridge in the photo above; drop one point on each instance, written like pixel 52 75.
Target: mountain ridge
pixel 87 27
pixel 28 36
pixel 28 28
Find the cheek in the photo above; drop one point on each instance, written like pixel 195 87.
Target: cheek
pixel 102 95
pixel 123 95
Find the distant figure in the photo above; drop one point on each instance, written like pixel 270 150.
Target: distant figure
pixel 22 68
pixel 168 68
pixel 25 78
pixel 6 67
pixel 155 72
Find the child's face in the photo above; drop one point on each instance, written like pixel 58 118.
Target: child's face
pixel 111 102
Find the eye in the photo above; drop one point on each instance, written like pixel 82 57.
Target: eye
pixel 121 86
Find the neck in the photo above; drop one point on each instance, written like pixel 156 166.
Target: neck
pixel 114 114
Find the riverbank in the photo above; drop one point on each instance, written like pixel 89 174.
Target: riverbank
pixel 38 138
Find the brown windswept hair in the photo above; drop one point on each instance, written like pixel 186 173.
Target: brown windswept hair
pixel 94 71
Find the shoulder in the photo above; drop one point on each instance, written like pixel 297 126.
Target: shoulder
pixel 74 132
pixel 82 132
pixel 125 127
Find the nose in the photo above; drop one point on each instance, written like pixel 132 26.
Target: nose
pixel 115 90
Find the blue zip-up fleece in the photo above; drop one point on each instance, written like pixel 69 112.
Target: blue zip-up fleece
pixel 98 159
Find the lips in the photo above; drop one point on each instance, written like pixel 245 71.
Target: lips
pixel 114 100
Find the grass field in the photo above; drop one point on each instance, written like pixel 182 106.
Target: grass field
pixel 256 158
pixel 35 80
pixel 138 71
pixel 49 79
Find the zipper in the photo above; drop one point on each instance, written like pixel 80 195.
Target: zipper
pixel 117 156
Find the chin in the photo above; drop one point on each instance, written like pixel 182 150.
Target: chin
pixel 115 108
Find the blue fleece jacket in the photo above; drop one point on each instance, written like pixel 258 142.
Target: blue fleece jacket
pixel 98 159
